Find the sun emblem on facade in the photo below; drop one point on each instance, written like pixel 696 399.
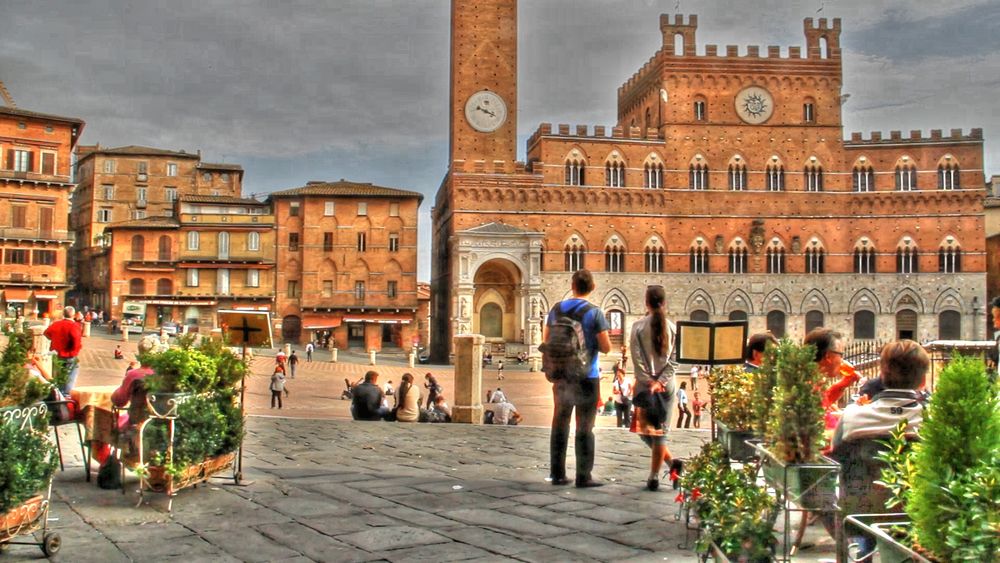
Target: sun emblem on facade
pixel 754 104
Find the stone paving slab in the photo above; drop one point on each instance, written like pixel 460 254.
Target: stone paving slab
pixel 339 491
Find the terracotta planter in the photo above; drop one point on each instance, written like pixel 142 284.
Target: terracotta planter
pixel 734 442
pixel 158 480
pixel 23 518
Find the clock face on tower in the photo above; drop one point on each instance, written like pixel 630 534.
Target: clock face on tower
pixel 485 111
pixel 754 105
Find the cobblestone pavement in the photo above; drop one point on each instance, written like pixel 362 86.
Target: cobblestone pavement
pixel 330 490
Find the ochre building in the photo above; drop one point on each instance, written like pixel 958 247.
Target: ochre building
pixel 727 179
pixel 130 183
pixel 209 253
pixel 347 265
pixel 35 185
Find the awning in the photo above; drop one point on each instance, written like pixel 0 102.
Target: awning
pixel 311 322
pixel 386 319
pixel 45 296
pixel 176 302
pixel 16 295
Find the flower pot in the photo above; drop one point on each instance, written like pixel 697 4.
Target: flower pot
pixel 32 416
pixel 159 480
pixel 734 442
pixel 811 486
pixel 22 518
pixel 888 546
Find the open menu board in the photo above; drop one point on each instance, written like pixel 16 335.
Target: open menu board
pixel 718 343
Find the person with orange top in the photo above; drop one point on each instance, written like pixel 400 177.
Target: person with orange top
pixel 830 359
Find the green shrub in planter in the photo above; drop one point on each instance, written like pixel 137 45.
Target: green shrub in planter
pixel 27 461
pixel 763 390
pixel 794 427
pixel 180 371
pixel 17 387
pixel 732 389
pixel 953 494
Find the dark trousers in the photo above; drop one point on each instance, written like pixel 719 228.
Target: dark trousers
pixel 624 413
pixel 275 395
pixel 685 416
pixel 566 397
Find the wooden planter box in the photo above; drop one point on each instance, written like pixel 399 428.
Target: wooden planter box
pixel 158 480
pixel 22 519
pixel 734 442
pixel 889 549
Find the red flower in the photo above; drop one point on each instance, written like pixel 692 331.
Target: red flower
pixel 674 476
pixel 695 494
pixel 679 497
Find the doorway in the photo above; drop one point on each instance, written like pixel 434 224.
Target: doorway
pixel 355 335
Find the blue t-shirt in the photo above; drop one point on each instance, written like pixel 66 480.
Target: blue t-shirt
pixel 593 323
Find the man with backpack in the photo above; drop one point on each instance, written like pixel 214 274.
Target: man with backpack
pixel 575 331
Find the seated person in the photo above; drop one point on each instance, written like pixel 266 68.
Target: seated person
pixel 609 406
pixel 440 411
pixel 119 355
pixel 132 393
pixel 366 399
pixel 903 367
pixel 498 396
pixel 504 413
pixel 407 407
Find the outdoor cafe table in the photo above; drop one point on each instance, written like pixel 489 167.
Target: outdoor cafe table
pixel 95 411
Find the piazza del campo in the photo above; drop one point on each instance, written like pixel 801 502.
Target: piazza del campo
pixel 237 240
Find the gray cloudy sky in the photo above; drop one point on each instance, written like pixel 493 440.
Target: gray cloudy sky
pixel 298 90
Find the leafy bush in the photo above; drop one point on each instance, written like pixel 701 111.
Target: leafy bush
pixel 28 461
pixel 206 427
pixel 953 498
pixel 795 425
pixel 763 390
pixel 230 369
pixel 733 511
pixel 180 371
pixel 731 389
pixel 17 386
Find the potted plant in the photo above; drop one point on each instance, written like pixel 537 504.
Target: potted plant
pixel 735 515
pixel 192 390
pixel 949 481
pixel 794 427
pixel 27 458
pixel 732 390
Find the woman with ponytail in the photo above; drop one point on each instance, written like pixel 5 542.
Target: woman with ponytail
pixel 652 343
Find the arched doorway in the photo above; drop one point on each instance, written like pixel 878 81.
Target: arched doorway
pixel 950 325
pixel 291 328
pixel 496 302
pixel 699 315
pixel 906 324
pixel 814 319
pixel 737 315
pixel 776 323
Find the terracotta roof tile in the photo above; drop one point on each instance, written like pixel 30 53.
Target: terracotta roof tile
pixel 221 199
pixel 6 110
pixel 219 166
pixel 157 222
pixel 137 150
pixel 344 188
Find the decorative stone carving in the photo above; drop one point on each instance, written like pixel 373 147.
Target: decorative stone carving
pixel 757 235
pixel 796 244
pixel 719 242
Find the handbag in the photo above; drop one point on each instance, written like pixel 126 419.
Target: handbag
pixel 109 476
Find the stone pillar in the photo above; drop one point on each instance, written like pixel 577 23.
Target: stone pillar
pixel 38 341
pixel 18 324
pixel 288 349
pixel 412 360
pixel 184 329
pixel 124 333
pixel 46 322
pixel 86 329
pixel 333 355
pixel 534 363
pixel 468 407
pixel 371 357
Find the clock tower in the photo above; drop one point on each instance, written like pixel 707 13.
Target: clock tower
pixel 483 80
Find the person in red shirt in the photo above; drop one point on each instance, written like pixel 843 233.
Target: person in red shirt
pixel 830 359
pixel 66 339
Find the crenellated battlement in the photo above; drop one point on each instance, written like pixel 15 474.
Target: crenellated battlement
pixel 489 167
pixel 916 136
pixel 599 132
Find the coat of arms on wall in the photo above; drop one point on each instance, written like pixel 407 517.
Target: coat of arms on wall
pixel 757 235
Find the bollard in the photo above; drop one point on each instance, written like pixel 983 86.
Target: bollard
pixel 533 363
pixel 38 340
pixel 333 355
pixel 468 406
pixel 86 329
pixel 184 329
pixel 371 357
pixel 124 333
pixel 412 360
pixel 288 349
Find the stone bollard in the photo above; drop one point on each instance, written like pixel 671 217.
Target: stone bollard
pixel 371 357
pixel 184 329
pixel 19 324
pixel 288 349
pixel 86 329
pixel 411 360
pixel 534 363
pixel 468 407
pixel 124 333
pixel 38 340
pixel 333 355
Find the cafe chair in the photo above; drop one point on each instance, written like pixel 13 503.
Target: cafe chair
pixel 63 412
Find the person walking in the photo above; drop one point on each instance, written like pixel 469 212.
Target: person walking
pixel 622 392
pixel 580 392
pixel 309 351
pixel 652 342
pixel 696 406
pixel 682 406
pixel 278 385
pixel 500 370
pixel 293 361
pixel 66 339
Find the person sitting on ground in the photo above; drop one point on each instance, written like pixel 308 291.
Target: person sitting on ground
pixel 367 399
pixel 407 407
pixel 389 390
pixel 903 366
pixel 609 406
pixel 440 412
pixel 119 355
pixel 498 396
pixel 522 357
pixel 504 413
